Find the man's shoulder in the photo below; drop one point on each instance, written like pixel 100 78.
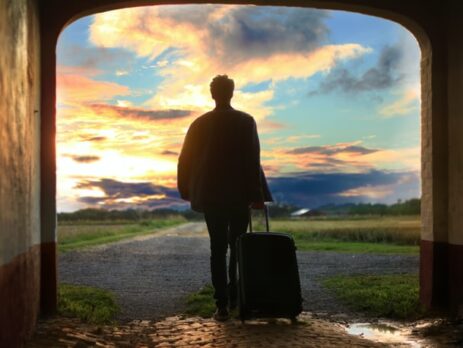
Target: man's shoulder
pixel 244 115
pixel 209 116
pixel 200 119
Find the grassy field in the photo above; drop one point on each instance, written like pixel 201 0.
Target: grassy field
pixel 84 234
pixel 388 296
pixel 380 235
pixel 398 234
pixel 92 305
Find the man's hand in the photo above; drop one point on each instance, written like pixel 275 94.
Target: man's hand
pixel 257 205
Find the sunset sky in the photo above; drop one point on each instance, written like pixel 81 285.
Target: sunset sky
pixel 335 96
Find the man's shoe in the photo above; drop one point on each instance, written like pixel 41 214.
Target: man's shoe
pixel 221 314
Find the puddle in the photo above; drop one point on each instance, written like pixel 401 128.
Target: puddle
pixel 384 333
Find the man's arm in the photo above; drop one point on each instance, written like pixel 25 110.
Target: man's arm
pixel 253 167
pixel 184 165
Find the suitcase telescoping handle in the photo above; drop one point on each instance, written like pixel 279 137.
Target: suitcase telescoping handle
pixel 266 218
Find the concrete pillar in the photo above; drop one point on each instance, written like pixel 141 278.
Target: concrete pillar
pixel 19 170
pixel 434 172
pixel 455 154
pixel 441 270
pixel 48 288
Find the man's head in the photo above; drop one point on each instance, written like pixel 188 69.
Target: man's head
pixel 222 88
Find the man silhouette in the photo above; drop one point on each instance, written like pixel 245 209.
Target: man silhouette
pixel 219 172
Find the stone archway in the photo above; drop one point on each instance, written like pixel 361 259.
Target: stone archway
pixel 439 284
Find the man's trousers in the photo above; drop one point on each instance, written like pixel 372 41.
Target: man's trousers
pixel 224 228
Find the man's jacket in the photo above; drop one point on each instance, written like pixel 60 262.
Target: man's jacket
pixel 219 165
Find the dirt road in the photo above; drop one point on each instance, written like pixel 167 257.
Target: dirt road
pixel 151 275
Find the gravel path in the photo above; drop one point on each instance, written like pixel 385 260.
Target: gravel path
pixel 151 275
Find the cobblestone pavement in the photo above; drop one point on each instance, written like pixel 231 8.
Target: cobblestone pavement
pixel 197 332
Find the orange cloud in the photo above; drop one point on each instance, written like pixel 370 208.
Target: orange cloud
pixel 342 157
pixel 408 102
pixel 74 89
pixel 370 191
pixel 138 113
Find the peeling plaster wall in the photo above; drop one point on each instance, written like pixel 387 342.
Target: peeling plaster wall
pixel 19 170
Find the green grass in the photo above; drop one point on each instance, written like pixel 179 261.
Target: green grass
pixel 76 236
pixel 354 247
pixel 388 296
pixel 201 303
pixel 90 304
pixel 383 235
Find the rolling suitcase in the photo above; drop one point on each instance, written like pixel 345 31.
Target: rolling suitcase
pixel 268 284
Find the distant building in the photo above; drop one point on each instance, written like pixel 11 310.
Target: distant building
pixel 306 213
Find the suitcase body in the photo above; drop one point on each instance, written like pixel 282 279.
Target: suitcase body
pixel 268 284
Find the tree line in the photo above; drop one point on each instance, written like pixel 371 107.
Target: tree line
pixel 277 210
pixel 408 207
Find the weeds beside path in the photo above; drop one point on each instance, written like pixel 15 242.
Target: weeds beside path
pixel 82 234
pixel 91 305
pixel 393 296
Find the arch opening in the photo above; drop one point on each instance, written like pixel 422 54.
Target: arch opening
pixel 325 155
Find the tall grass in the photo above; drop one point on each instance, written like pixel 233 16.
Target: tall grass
pixel 390 230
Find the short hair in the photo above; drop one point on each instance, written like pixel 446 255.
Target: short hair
pixel 222 87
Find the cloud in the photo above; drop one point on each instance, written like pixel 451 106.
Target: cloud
pixel 122 195
pixel 369 191
pixel 199 69
pixel 407 103
pixel 384 75
pixel 251 44
pixel 342 157
pixel 332 150
pixel 114 188
pixel 93 57
pixel 287 140
pixel 138 113
pixel 314 190
pixel 305 190
pixel 95 138
pixel 257 32
pixel 85 159
pixel 77 70
pixel 266 126
pixel 169 153
pixel 74 89
pixel 231 34
pixel 121 72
